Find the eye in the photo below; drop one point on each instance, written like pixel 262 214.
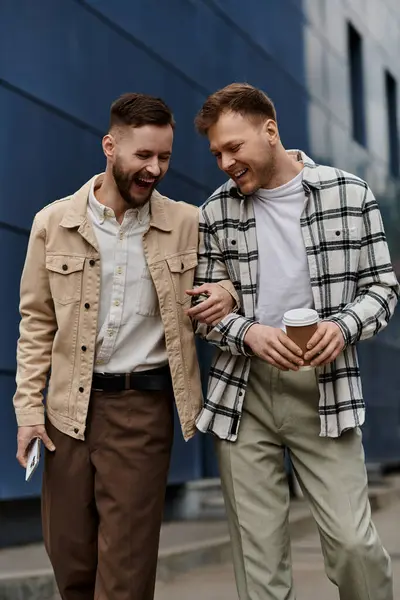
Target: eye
pixel 142 156
pixel 235 148
pixel 164 158
pixel 217 154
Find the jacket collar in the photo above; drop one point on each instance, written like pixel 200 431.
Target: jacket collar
pixel 159 217
pixel 76 213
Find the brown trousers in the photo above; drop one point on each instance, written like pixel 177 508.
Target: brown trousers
pixel 102 500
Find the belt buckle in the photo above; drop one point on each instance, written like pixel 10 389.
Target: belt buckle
pixel 127 381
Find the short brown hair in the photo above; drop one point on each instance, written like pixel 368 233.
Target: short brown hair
pixel 136 110
pixel 241 98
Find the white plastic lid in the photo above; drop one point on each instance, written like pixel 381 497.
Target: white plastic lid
pixel 300 317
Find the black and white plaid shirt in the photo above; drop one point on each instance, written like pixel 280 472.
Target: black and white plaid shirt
pixel 352 279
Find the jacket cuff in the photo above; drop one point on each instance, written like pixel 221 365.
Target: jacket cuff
pixel 28 418
pixel 229 287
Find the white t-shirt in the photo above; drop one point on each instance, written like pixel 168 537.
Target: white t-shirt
pixel 283 274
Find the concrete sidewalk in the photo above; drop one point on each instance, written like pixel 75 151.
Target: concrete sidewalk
pixel 217 582
pixel 26 574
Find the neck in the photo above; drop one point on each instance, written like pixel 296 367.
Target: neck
pixel 285 169
pixel 109 195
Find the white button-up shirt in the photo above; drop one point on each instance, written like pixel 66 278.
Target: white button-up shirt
pixel 130 331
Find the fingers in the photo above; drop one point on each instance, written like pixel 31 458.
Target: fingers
pixel 47 442
pixel 195 311
pixel 328 355
pixel 320 346
pixel 210 310
pixel 277 354
pixel 277 365
pixel 22 454
pixel 317 337
pixel 289 344
pixel 274 346
pixel 25 437
pixel 288 350
pixel 282 362
pixel 214 314
pixel 202 289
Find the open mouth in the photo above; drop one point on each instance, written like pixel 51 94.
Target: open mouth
pixel 144 182
pixel 240 174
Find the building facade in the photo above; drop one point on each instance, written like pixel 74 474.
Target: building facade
pixel 351 50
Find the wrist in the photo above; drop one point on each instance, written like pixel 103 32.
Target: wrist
pixel 251 334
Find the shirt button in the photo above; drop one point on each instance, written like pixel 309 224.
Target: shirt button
pixel 117 303
pixel 81 389
pixel 121 236
pixel 92 262
pixel 65 267
pixel 182 266
pixel 87 305
pixel 83 348
pixel 119 270
pixel 110 333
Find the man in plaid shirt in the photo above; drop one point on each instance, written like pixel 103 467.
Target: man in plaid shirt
pixel 290 234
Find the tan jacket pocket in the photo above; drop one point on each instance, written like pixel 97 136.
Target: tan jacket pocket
pixel 65 277
pixel 182 269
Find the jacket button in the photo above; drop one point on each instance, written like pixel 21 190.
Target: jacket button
pixel 83 348
pixel 76 430
pixel 92 262
pixel 65 267
pixel 182 266
pixel 81 390
pixel 338 233
pixel 87 305
pixel 233 242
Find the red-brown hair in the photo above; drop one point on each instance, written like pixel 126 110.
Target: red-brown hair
pixel 241 98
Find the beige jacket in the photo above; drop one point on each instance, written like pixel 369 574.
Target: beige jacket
pixel 60 294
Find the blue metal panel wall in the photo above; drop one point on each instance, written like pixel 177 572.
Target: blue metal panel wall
pixel 62 62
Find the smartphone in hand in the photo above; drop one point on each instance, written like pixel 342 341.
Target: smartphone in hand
pixel 33 458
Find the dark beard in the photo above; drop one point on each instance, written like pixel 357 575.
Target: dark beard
pixel 124 181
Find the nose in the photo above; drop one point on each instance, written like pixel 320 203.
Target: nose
pixel 227 162
pixel 153 168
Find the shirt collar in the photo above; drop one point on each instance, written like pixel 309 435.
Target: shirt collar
pixel 310 172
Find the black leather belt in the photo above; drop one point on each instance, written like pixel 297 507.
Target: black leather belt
pixel 143 381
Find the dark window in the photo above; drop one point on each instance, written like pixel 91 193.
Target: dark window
pixel 357 85
pixel 393 132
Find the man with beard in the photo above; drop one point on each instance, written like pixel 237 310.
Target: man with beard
pixel 103 306
pixel 291 234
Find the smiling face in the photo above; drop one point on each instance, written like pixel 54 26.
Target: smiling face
pixel 139 158
pixel 245 149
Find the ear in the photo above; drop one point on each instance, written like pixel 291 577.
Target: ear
pixel 271 131
pixel 108 144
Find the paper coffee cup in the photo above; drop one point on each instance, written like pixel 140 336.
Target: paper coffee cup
pixel 301 324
